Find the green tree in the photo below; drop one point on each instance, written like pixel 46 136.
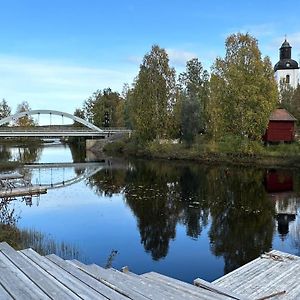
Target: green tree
pixel 154 97
pixel 286 93
pixel 295 107
pixel 26 121
pixel 80 114
pixel 128 106
pixel 290 99
pixel 243 89
pixel 5 110
pixel 104 103
pixel 193 84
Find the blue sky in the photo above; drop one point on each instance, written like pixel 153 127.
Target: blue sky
pixel 55 54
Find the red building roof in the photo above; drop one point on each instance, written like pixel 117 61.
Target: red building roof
pixel 281 114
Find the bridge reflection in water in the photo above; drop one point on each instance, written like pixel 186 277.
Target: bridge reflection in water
pixel 46 174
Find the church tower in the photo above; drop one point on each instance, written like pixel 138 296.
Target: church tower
pixel 287 69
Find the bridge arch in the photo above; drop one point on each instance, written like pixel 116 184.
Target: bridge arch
pixel 49 112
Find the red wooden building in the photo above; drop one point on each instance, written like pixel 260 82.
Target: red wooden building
pixel 281 127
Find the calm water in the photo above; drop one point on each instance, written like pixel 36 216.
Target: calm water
pixel 185 220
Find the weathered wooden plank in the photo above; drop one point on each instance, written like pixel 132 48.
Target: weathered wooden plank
pixel 277 281
pixel 186 287
pixel 7 176
pixel 245 281
pixel 267 277
pixel 18 285
pixel 72 283
pixel 122 284
pixel 42 279
pixel 171 292
pixel 218 290
pixel 23 191
pixel 247 273
pixel 276 272
pixel 87 279
pixel 246 270
pixel 178 289
pixel 4 295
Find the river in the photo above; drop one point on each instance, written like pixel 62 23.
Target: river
pixel 184 220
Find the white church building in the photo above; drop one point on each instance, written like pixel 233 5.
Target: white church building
pixel 287 69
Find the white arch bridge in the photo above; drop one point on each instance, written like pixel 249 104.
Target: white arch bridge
pixel 88 129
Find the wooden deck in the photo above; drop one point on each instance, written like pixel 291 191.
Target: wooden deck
pixel 27 275
pixel 13 185
pixel 275 273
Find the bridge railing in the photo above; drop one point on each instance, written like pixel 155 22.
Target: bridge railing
pixel 58 128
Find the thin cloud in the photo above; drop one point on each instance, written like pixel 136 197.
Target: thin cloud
pixel 61 86
pixel 258 31
pixel 180 57
pixel 135 59
pixel 177 57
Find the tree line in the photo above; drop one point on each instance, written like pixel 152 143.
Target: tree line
pixel 5 111
pixel 235 98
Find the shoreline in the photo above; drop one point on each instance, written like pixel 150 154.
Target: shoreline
pixel 209 158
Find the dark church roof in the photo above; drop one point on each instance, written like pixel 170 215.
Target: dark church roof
pixel 286 44
pixel 286 62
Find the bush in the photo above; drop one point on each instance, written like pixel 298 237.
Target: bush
pixel 232 144
pixel 283 149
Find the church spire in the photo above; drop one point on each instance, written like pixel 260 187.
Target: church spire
pixel 285 50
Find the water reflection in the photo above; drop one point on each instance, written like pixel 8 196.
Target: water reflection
pixel 30 238
pixel 5 154
pixel 26 154
pixel 280 187
pixel 242 216
pixel 179 212
pixel 162 196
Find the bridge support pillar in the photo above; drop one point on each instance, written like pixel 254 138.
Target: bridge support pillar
pixel 95 145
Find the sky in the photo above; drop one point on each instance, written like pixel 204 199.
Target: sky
pixel 55 54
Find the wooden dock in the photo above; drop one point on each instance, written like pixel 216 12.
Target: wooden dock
pixel 275 274
pixel 23 191
pixel 27 275
pixel 13 184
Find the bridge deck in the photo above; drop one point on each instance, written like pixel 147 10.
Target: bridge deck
pixel 58 131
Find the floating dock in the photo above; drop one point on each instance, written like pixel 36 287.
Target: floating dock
pixel 8 176
pixel 27 275
pixel 14 185
pixel 33 190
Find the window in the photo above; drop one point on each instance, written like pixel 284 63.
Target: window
pixel 287 79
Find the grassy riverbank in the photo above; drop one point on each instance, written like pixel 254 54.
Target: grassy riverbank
pixel 230 150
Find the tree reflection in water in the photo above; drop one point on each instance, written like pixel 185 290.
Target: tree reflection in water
pixel 193 194
pixel 162 195
pixel 152 194
pixel 242 215
pixel 5 154
pixel 30 153
pixel 107 182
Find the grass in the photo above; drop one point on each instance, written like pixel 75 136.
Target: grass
pixel 229 149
